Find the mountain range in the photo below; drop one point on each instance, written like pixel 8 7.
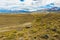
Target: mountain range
pixel 49 7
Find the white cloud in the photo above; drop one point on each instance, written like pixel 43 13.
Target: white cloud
pixel 27 4
pixel 57 3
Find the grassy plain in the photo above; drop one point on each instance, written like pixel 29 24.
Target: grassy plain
pixel 14 19
pixel 34 26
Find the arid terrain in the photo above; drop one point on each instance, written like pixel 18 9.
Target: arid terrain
pixel 34 26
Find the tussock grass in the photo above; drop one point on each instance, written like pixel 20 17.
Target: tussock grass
pixel 43 27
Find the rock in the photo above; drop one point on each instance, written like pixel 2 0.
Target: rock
pixel 45 36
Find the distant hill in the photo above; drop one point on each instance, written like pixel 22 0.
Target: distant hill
pixel 12 11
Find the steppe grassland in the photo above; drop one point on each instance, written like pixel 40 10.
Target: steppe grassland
pixel 44 26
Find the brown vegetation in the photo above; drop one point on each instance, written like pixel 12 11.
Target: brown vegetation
pixel 40 27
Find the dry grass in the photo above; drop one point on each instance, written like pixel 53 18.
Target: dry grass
pixel 42 27
pixel 14 19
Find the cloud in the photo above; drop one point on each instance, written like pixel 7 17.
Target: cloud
pixel 27 4
pixel 57 3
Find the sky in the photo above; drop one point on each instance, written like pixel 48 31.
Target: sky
pixel 31 5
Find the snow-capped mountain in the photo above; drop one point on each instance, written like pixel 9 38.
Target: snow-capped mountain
pixel 54 9
pixel 51 7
